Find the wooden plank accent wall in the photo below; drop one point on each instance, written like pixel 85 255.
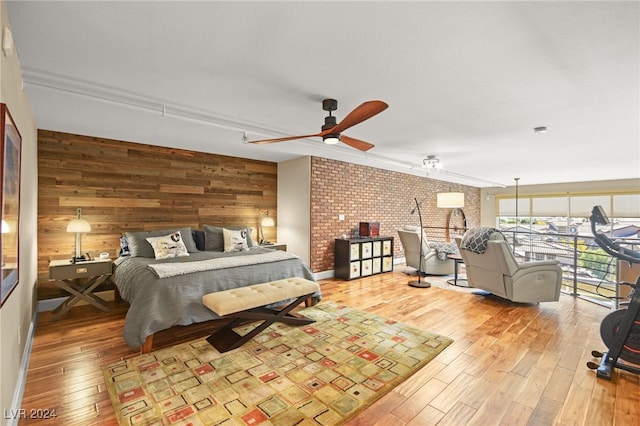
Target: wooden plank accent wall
pixel 365 194
pixel 125 186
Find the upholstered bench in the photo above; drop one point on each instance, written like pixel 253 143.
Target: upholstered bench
pixel 250 303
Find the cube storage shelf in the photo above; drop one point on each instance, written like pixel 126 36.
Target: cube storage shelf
pixel 361 257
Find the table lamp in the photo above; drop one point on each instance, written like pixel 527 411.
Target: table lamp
pixel 79 225
pixel 265 222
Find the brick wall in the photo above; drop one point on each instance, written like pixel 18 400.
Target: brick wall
pixel 364 193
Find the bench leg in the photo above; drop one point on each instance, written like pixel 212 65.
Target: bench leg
pixel 225 339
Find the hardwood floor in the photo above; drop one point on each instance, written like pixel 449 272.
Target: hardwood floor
pixel 510 364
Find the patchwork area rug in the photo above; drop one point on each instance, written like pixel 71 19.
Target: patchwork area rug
pixel 322 373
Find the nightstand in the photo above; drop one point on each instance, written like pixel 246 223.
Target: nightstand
pixel 80 279
pixel 275 246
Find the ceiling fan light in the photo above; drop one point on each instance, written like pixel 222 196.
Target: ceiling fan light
pixel 331 139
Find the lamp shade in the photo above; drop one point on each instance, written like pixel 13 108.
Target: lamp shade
pixel 267 221
pixel 451 200
pixel 78 225
pixel 5 227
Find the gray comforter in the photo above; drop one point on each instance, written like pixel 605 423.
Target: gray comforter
pixel 160 303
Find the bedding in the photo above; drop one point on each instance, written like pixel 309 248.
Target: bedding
pixel 160 303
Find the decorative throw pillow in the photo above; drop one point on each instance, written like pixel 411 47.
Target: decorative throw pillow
pixel 198 238
pixel 168 246
pixel 140 247
pixel 124 247
pixel 214 238
pixel 235 240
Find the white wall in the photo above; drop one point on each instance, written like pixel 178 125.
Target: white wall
pixel 18 310
pixel 488 195
pixel 294 206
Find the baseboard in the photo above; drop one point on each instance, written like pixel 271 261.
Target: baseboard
pixel 324 275
pixel 22 375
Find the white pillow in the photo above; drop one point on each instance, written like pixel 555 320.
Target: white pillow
pixel 168 246
pixel 235 240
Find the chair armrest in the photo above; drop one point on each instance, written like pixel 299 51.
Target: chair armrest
pixel 534 268
pixel 429 254
pixel 537 264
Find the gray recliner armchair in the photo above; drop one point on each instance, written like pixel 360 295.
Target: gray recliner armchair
pixel 491 266
pixel 431 263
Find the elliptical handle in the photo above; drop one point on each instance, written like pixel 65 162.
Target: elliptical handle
pixel 607 244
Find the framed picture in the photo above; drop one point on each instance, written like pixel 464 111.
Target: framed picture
pixel 387 264
pixel 366 250
pixel 355 251
pixel 377 248
pixel 10 202
pixel 366 267
pixel 386 247
pixel 376 266
pixel 355 270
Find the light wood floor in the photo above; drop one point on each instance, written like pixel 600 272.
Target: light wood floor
pixel 510 364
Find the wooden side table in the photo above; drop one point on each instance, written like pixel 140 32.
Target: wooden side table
pixel 275 246
pixel 80 280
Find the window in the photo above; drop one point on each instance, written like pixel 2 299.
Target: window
pixel 568 214
pixel 558 227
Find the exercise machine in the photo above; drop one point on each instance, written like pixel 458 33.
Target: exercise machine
pixel 619 330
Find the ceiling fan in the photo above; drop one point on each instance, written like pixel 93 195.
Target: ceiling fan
pixel 331 131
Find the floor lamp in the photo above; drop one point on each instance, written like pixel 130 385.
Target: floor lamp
pixel 419 283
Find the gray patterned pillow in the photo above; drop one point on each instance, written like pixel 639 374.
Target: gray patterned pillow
pixel 476 239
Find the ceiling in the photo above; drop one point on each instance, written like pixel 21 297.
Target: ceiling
pixel 465 81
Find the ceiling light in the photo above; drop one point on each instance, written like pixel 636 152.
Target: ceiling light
pixel 331 139
pixel 431 162
pixel 540 129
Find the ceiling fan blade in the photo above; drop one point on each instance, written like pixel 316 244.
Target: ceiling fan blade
pixel 361 113
pixel 356 143
pixel 287 138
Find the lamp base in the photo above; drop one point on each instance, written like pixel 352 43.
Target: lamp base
pixel 419 284
pixel 82 258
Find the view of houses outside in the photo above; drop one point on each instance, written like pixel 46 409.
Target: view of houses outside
pixel 560 228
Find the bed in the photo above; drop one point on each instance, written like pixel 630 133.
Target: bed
pixel 165 292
